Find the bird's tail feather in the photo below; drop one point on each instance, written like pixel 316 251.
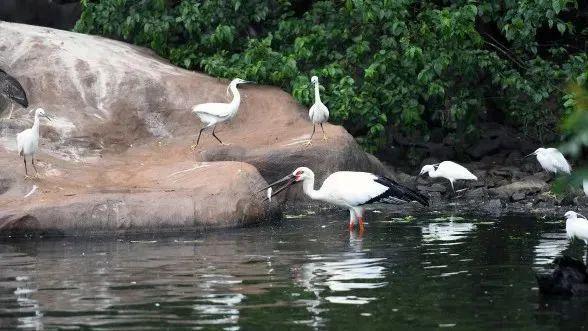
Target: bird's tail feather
pixel 402 192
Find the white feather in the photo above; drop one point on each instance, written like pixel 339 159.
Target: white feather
pixel 318 112
pixel 448 170
pixel 576 227
pixel 349 188
pixel 552 160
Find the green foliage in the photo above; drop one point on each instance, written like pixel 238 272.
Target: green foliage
pixel 388 66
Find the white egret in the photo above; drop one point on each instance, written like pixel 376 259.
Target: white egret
pixel 552 160
pixel 213 113
pixel 585 186
pixel 350 189
pixel 27 142
pixel 11 91
pixel 448 170
pixel 318 112
pixel 576 226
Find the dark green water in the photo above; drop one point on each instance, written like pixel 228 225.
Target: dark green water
pixel 305 273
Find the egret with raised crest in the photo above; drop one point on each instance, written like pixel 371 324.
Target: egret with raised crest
pixel 352 190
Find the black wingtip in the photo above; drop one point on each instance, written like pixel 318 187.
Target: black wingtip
pixel 402 192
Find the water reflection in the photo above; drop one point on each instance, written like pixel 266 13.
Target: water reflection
pixel 446 231
pixel 304 272
pixel 329 277
pixel 551 244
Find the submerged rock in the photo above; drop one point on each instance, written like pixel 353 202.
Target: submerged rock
pixel 569 277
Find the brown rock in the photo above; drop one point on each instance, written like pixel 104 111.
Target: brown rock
pixel 121 138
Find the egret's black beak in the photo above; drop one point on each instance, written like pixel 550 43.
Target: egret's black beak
pixel 529 155
pixel 47 117
pixel 290 179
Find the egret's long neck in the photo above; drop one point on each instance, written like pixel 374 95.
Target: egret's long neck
pixel 317 95
pixel 236 97
pixel 308 188
pixel 36 124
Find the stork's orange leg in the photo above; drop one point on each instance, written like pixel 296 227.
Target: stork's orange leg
pixel 361 225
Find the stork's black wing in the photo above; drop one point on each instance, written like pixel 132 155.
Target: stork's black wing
pixel 397 192
pixel 11 88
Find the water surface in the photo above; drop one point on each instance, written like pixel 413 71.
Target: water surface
pixel 303 273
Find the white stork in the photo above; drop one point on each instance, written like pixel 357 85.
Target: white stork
pixel 11 91
pixel 552 160
pixel 27 142
pixel 352 190
pixel 448 170
pixel 318 112
pixel 213 113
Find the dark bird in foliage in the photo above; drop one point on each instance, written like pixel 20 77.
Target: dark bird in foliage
pixel 352 190
pixel 11 92
pixel 569 277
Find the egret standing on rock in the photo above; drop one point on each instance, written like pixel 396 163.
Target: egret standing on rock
pixel 213 113
pixel 552 160
pixel 351 190
pixel 576 227
pixel 27 142
pixel 11 91
pixel 448 170
pixel 318 112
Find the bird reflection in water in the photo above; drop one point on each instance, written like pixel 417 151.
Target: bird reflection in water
pixel 339 278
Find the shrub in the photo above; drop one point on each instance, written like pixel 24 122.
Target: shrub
pixel 389 67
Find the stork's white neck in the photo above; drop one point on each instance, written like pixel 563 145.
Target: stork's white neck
pixel 308 188
pixel 236 98
pixel 317 95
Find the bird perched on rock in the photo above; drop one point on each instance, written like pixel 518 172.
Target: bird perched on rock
pixel 552 160
pixel 11 92
pixel 318 112
pixel 213 113
pixel 576 226
pixel 27 142
pixel 352 190
pixel 448 170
